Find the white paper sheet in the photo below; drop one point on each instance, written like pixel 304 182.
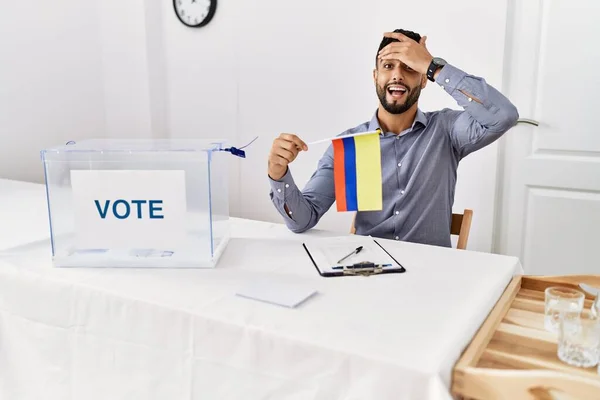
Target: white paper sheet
pixel 287 294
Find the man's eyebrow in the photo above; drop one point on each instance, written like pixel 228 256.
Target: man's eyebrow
pixel 394 62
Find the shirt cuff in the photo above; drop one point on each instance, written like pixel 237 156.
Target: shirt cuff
pixel 449 78
pixel 281 187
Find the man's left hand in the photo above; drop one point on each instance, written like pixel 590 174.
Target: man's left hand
pixel 408 51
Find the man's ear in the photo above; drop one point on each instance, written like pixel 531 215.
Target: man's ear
pixel 424 81
pixel 375 75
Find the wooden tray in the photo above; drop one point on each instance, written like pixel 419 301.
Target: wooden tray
pixel 513 357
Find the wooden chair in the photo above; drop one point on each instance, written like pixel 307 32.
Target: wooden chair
pixel 461 226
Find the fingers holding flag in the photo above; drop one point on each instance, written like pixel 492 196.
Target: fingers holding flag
pixel 284 151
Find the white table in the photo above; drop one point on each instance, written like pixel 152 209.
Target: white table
pixel 183 334
pixel 23 213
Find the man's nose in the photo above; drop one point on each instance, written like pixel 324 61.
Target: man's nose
pixel 397 74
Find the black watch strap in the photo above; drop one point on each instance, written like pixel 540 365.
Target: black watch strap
pixel 436 63
pixel 433 66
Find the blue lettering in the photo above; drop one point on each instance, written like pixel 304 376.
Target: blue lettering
pixel 139 207
pixel 102 212
pixel 127 209
pixel 153 209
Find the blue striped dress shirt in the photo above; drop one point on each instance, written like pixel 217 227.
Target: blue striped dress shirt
pixel 418 166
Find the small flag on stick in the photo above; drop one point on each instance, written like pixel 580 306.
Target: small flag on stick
pixel 357 172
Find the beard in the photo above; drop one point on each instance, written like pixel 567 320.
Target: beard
pixel 412 95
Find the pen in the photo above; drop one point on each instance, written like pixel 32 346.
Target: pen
pixel 355 251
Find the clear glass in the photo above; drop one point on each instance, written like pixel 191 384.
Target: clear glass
pixel 219 200
pixel 596 307
pixel 579 341
pixel 206 225
pixel 561 303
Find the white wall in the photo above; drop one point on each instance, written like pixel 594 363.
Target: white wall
pixel 51 88
pixel 261 68
pixel 131 69
pixel 134 68
pixel 71 70
pixel 202 92
pixel 125 68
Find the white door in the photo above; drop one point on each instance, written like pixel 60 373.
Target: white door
pixel 549 189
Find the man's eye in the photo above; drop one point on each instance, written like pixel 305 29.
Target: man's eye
pixel 387 65
pixel 409 69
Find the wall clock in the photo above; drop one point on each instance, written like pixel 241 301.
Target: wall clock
pixel 195 13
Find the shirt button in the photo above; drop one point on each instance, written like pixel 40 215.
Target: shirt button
pixel 397 212
pixel 447 81
pixel 397 238
pixel 279 190
pixel 397 136
pixel 287 185
pixel 290 213
pixel 402 192
pixel 399 164
pixel 470 99
pixel 443 87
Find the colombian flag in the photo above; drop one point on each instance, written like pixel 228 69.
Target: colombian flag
pixel 357 173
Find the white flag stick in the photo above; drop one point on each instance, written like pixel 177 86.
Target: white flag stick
pixel 341 137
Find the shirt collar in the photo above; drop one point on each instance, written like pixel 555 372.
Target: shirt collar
pixel 419 118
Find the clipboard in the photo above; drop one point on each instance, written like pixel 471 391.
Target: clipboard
pixel 374 261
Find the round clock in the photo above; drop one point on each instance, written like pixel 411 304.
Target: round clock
pixel 195 13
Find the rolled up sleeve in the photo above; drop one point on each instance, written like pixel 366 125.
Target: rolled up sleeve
pixel 305 208
pixel 487 115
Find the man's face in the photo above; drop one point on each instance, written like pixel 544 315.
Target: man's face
pixel 398 86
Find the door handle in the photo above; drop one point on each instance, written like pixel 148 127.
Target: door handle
pixel 528 121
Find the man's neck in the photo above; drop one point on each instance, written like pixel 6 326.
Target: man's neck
pixel 396 123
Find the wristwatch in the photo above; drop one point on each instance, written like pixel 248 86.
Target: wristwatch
pixel 435 64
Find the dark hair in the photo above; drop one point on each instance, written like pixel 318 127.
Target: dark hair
pixel 413 35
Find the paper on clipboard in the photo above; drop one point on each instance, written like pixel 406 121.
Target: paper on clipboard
pixel 326 252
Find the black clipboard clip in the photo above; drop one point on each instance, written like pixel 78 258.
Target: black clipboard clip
pixel 359 269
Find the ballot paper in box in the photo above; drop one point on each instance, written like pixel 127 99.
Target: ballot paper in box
pixel 138 203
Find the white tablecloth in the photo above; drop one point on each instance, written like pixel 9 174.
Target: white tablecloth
pixel 23 213
pixel 183 334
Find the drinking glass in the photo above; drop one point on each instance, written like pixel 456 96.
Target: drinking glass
pixel 596 307
pixel 579 341
pixel 561 303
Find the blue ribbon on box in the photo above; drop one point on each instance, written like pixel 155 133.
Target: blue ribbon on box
pixel 239 152
pixel 235 151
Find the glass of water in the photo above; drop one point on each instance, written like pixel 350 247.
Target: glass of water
pixel 579 341
pixel 596 307
pixel 561 303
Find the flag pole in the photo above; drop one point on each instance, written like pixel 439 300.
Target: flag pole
pixel 342 137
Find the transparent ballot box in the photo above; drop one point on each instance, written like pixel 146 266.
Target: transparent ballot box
pixel 137 203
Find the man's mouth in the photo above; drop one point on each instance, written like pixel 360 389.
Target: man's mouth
pixel 396 91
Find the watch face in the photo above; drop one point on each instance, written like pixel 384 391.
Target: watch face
pixel 195 13
pixel 439 61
